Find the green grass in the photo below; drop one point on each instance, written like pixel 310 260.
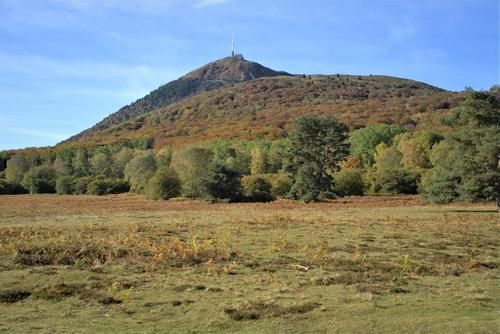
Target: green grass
pixel 121 264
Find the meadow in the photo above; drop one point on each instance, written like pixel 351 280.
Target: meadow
pixel 120 263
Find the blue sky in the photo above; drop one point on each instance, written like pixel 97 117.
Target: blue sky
pixel 66 64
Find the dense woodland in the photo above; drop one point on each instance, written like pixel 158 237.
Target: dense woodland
pixel 320 159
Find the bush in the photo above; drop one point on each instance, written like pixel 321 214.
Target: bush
pixel 40 179
pixel 9 188
pixel 80 185
pixel 221 183
pixel 165 184
pixel 440 186
pixel 257 188
pixel 281 184
pixel 349 182
pixel 395 181
pixel 64 185
pixel 107 186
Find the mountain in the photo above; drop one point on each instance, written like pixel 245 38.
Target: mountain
pixel 211 76
pixel 236 98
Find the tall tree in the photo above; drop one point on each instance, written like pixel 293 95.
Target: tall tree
pixel 193 165
pixel 317 147
pixel 259 163
pixel 139 170
pixel 80 162
pixel 466 163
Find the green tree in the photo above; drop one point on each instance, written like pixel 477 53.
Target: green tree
pixel 60 166
pixel 101 165
pixel 120 160
pixel 416 148
pixel 365 140
pixel 17 166
pixel 193 165
pixel 64 185
pixel 40 179
pixel 65 157
pixel 317 146
pixel 258 163
pixel 221 183
pixel 165 184
pixel 139 170
pixel 80 162
pixel 466 163
pixel 277 155
pixel 387 174
pixel 164 157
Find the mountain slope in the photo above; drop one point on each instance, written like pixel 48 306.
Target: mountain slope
pixel 266 108
pixel 211 76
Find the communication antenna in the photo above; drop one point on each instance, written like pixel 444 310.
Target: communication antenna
pixel 232 47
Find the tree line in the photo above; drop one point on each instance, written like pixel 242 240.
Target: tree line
pixel 320 160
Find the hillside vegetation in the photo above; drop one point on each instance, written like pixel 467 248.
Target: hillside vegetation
pixel 266 108
pixel 208 77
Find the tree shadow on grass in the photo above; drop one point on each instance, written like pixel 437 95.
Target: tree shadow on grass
pixel 476 211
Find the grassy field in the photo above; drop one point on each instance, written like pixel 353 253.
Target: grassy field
pixel 84 264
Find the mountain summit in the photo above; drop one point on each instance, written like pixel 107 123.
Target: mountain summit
pixel 211 76
pixel 232 69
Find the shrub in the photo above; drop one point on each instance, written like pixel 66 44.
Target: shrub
pixel 80 185
pixel 40 179
pixel 440 188
pixel 349 182
pixel 165 184
pixel 281 184
pixel 221 183
pixel 107 186
pixel 9 188
pixel 256 188
pixel 64 185
pixel 395 181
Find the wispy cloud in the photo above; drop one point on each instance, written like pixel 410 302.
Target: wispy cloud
pixel 206 3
